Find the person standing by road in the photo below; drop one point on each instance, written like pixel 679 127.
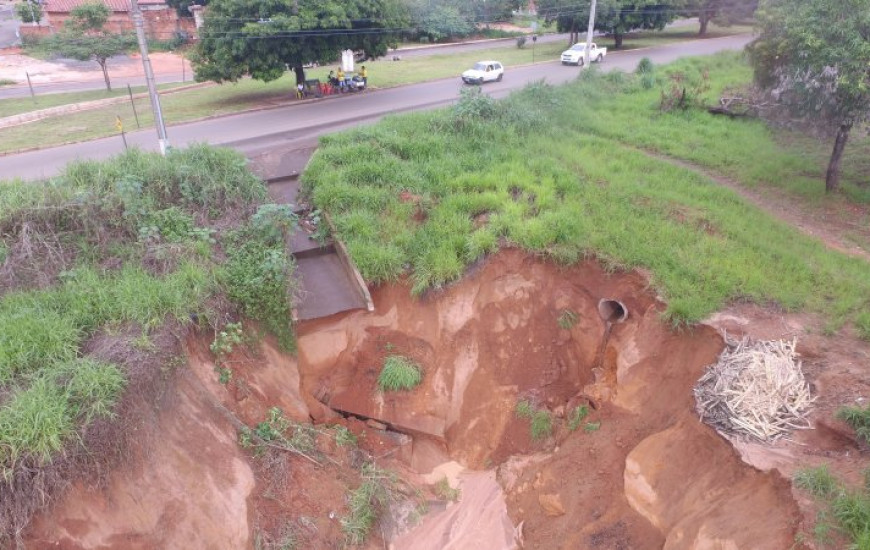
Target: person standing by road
pixel 340 75
pixel 365 76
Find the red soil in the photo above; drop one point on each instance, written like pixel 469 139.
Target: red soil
pixel 651 476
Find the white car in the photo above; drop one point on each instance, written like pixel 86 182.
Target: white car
pixel 574 55
pixel 484 71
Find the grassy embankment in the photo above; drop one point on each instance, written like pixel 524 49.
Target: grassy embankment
pixel 557 171
pixel 248 94
pixel 118 251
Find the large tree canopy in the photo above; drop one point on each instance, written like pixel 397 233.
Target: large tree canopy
pixel 261 38
pixel 437 20
pixel 722 12
pixel 613 16
pixel 814 57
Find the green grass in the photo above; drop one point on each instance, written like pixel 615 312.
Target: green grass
pixel 819 482
pixel 124 243
pixel 399 373
pixel 16 105
pixel 247 94
pixel 845 510
pixel 444 491
pixel 541 421
pixel 576 417
pixel 858 419
pixel 534 164
pixel 366 502
pixel 7 82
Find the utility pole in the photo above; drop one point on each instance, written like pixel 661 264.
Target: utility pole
pixel 138 22
pixel 586 60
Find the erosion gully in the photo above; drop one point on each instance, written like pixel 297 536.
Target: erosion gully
pixel 640 472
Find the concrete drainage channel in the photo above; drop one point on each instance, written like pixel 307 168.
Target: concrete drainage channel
pixel 329 282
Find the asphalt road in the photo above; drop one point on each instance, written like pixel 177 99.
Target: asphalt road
pixel 303 122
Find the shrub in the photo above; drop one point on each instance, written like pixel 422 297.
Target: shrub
pixel 645 66
pixel 399 373
pixel 521 42
pixel 257 278
pixel 525 409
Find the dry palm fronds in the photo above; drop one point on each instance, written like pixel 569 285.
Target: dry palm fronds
pixel 756 389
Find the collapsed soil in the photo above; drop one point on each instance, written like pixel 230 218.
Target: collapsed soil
pixel 649 476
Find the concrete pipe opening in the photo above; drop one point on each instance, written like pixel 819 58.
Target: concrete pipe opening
pixel 612 311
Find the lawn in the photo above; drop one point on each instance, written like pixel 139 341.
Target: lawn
pixel 14 106
pixel 248 94
pixel 558 171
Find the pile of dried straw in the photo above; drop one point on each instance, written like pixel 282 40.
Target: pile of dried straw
pixel 756 389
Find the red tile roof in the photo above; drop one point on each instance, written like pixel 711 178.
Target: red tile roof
pixel 114 5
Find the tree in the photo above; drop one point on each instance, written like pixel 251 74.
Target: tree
pixel 261 38
pixel 722 12
pixel 813 56
pixel 181 6
pixel 614 16
pixel 83 38
pixel 29 11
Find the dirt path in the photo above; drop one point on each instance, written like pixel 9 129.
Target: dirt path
pixel 835 222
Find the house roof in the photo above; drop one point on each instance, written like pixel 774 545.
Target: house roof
pixel 114 5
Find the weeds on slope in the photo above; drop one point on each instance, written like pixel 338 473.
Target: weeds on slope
pixel 107 250
pixel 846 512
pixel 546 170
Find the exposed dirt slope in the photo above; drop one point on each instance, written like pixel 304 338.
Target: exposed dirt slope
pixel 639 472
pixel 495 339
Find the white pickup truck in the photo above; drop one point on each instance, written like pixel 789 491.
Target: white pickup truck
pixel 574 55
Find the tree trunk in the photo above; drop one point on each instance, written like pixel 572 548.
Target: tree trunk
pixel 105 73
pixel 300 74
pixel 832 177
pixel 617 39
pixel 704 19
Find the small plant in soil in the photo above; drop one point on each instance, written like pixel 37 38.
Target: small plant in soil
pixel 225 375
pixel 542 425
pixel 344 437
pixel 226 340
pixel 577 415
pixel 567 319
pixel 592 427
pixel 541 419
pixel 366 503
pixel 445 492
pixel 858 419
pixel 525 409
pixel 399 373
pixel 819 482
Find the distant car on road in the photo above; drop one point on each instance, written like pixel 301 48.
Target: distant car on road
pixel 574 55
pixel 484 71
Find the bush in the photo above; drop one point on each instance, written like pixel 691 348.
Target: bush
pixel 399 373
pixel 257 278
pixel 521 42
